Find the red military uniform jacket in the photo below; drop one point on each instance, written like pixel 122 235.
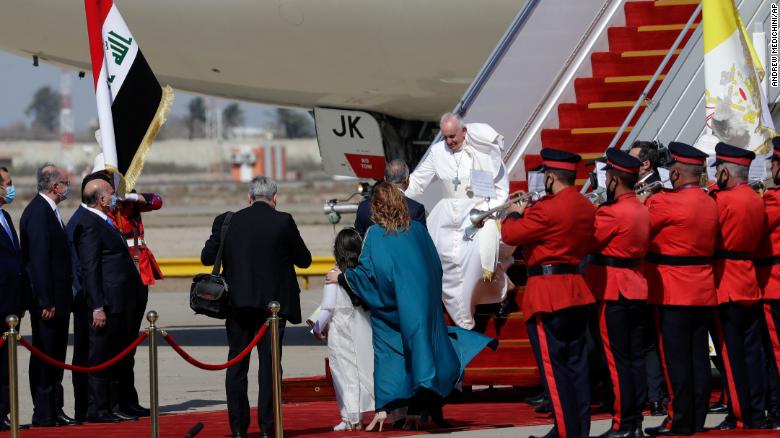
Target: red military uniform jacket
pixel 622 231
pixel 556 230
pixel 769 246
pixel 741 216
pixel 683 222
pixel 127 217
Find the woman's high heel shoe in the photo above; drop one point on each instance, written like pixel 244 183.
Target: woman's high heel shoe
pixel 379 418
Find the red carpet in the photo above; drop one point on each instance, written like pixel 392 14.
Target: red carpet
pixel 315 419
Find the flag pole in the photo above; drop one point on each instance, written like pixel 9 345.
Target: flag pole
pixel 102 89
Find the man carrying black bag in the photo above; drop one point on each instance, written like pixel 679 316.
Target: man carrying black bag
pixel 261 249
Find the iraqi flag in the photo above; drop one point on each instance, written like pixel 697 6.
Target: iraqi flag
pixel 734 99
pixel 132 106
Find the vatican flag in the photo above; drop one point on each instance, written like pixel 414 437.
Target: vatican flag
pixel 736 108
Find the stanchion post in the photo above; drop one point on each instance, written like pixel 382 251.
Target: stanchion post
pixel 13 378
pixel 276 367
pixel 154 402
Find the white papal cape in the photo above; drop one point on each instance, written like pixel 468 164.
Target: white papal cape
pixel 466 261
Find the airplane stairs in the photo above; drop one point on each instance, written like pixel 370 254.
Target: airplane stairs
pixel 586 127
pixel 604 100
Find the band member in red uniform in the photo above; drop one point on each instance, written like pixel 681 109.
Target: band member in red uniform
pixel 768 271
pixel 615 277
pixel 683 233
pixel 556 233
pixel 127 217
pixel 738 320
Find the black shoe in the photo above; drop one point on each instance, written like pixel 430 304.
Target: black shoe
pixel 264 435
pixel 105 418
pixel 727 424
pixel 765 424
pixel 663 431
pixel 5 424
pixel 612 433
pixel 63 420
pixel 505 308
pixel 544 407
pixel 553 433
pixel 124 416
pixel 137 410
pixel 44 423
pixel 534 400
pixel 718 408
pixel 243 435
pixel 638 432
pixel 657 409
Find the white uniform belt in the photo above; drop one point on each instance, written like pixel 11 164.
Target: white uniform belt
pixel 131 242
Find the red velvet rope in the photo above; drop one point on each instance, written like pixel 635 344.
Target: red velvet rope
pixel 2 341
pixel 214 367
pixel 40 355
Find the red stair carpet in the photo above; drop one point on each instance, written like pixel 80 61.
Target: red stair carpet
pixel 316 419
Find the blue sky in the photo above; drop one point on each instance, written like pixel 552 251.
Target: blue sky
pixel 19 79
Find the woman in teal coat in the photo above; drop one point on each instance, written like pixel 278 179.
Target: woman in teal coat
pixel 418 360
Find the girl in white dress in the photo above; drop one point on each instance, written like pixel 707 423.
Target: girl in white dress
pixel 348 330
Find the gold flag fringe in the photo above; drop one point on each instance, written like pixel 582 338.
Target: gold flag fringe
pixel 137 165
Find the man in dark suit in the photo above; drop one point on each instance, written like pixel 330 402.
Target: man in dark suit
pixel 80 311
pixel 13 282
pixel 46 259
pixel 396 173
pixel 262 248
pixel 110 282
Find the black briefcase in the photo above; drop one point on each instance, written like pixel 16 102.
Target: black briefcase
pixel 209 292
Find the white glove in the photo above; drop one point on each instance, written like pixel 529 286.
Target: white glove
pixel 132 197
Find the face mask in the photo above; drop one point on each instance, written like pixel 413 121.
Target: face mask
pixel 65 194
pixel 611 189
pixel 722 181
pixel 673 177
pixel 548 185
pixel 10 194
pixel 113 202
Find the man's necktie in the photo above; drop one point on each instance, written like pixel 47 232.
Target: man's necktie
pixel 7 228
pixel 111 222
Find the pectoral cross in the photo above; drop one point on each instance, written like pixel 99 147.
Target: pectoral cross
pixel 455 182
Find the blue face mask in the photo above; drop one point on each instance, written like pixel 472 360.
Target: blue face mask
pixel 10 194
pixel 65 194
pixel 113 202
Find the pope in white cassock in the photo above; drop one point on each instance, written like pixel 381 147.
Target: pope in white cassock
pixel 474 265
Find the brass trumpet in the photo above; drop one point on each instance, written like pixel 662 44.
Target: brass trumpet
pixel 596 196
pixel 756 184
pixel 650 188
pixel 478 217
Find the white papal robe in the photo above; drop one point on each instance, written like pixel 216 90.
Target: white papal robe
pixel 350 352
pixel 465 261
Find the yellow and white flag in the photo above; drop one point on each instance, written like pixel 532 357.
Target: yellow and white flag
pixel 736 108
